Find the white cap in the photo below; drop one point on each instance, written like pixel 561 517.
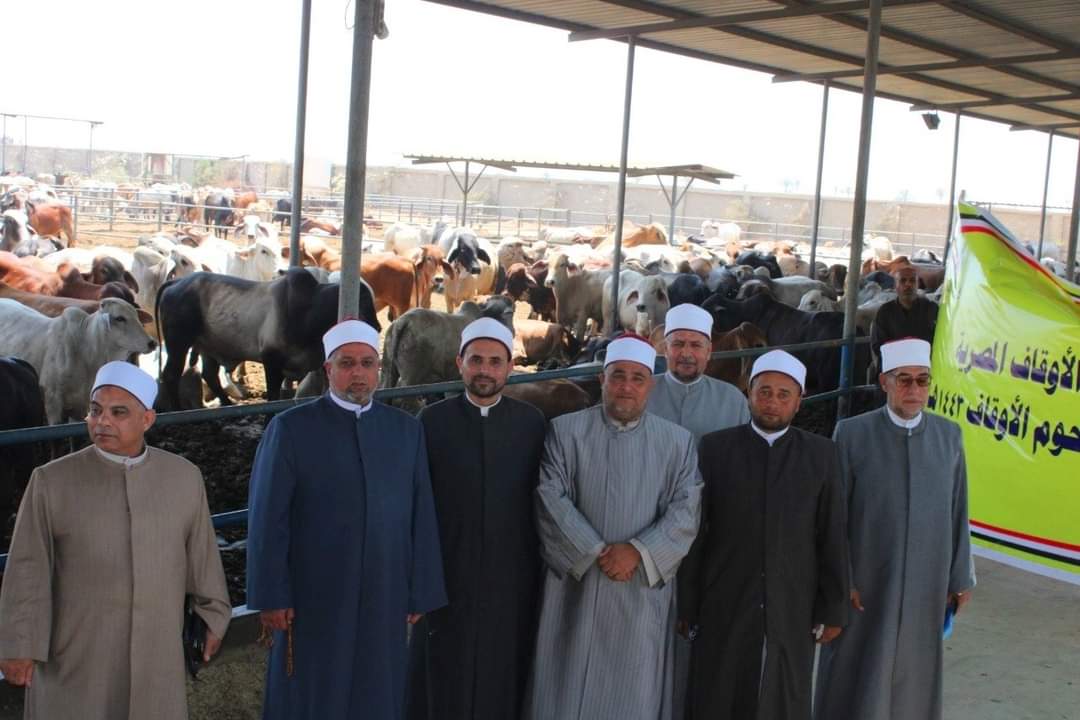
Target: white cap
pixel 349 331
pixel 781 362
pixel 129 377
pixel 688 317
pixel 487 329
pixel 632 348
pixel 902 353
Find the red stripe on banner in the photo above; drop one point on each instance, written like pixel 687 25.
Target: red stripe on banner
pixel 1027 259
pixel 1025 536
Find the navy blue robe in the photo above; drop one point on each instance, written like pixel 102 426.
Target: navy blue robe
pixel 342 529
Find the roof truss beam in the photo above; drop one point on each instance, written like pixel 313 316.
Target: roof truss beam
pixel 932 67
pixel 722 21
pixel 1051 126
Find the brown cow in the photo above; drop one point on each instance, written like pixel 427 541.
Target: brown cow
pixel 28 275
pixel 652 234
pixel 536 341
pixel 551 397
pixel 930 276
pixel 393 281
pixel 74 285
pixel 51 306
pixel 321 254
pixel 51 220
pixel 243 199
pixel 432 270
pixel 527 284
pixel 308 224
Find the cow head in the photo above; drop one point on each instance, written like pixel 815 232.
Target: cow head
pixel 467 254
pixel 123 329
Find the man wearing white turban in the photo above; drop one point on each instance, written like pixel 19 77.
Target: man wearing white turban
pixel 342 543
pixel 617 510
pixel 108 541
pixel 906 486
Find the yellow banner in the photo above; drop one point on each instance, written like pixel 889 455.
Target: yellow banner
pixel 1005 369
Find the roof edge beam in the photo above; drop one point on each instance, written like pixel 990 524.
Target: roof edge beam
pixel 1051 126
pixel 932 67
pixel 962 105
pixel 719 21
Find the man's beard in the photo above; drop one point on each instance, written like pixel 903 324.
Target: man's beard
pixel 490 388
pixel 356 397
pixel 678 373
pixel 770 425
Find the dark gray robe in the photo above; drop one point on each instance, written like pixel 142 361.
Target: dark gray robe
pixel 910 547
pixel 471 659
pixel 769 564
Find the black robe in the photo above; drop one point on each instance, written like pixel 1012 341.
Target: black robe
pixel 471 659
pixel 769 563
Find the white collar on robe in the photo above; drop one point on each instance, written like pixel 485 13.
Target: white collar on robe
pixel 908 424
pixel 624 426
pixel 127 462
pixel 484 409
pixel 770 437
pixel 351 407
pixel 692 383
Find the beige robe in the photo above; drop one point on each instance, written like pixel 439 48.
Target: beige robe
pixel 100 562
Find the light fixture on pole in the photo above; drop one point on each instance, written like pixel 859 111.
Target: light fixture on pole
pixel 932 120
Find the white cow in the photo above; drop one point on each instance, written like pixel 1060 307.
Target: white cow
pixel 67 351
pixel 83 258
pixel 253 228
pixel 151 270
pixel 643 301
pixel 400 238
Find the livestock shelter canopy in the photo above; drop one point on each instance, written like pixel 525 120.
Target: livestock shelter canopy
pixel 696 171
pixel 692 172
pixel 1001 60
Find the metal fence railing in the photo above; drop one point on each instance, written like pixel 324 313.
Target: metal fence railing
pixel 125 212
pixel 234 518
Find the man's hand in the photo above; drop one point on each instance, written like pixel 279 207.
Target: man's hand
pixel 619 561
pixel 828 634
pixel 960 599
pixel 213 644
pixel 856 601
pixel 413 618
pixel 272 620
pixel 18 672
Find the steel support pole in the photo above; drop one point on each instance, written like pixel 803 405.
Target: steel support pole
pixel 301 129
pixel 25 142
pixel 3 147
pixel 952 184
pixel 858 216
pixel 816 221
pixel 1074 225
pixel 356 159
pixel 620 199
pixel 90 154
pixel 1046 190
pixel 465 197
pixel 674 204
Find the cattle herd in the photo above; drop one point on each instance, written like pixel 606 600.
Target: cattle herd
pixel 192 305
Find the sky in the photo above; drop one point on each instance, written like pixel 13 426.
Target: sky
pixel 219 78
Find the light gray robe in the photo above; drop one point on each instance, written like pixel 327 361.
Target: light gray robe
pixel 605 648
pixel 100 562
pixel 910 547
pixel 703 407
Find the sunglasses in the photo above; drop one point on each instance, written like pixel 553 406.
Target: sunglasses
pixel 906 381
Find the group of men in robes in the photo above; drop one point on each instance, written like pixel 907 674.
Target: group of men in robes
pixel 675 551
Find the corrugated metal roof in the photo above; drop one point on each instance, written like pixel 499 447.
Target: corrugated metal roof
pixel 977 36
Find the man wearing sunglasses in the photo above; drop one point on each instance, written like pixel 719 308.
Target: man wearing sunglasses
pixel 906 487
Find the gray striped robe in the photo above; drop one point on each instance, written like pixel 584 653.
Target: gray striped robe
pixel 605 649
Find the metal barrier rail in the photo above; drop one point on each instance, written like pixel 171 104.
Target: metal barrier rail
pixel 233 518
pixel 72 430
